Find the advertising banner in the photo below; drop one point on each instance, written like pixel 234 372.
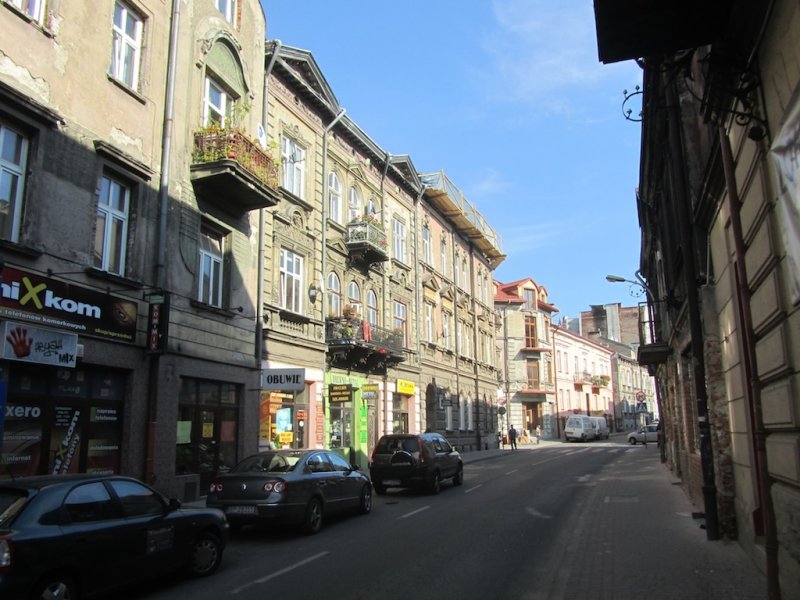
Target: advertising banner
pixel 28 343
pixel 32 298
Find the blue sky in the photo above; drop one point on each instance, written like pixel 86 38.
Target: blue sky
pixel 509 99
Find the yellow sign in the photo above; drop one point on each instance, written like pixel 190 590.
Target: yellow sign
pixel 208 430
pixel 285 437
pixel 407 388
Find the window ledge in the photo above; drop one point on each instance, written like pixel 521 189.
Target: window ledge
pixel 118 279
pixel 20 249
pixel 130 91
pixel 223 312
pixel 26 17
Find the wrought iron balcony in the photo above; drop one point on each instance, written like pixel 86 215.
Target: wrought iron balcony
pixel 232 170
pixel 582 377
pixel 366 240
pixel 354 344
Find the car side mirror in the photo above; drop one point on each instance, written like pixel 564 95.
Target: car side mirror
pixel 174 504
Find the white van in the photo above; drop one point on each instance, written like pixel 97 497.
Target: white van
pixel 579 427
pixel 601 430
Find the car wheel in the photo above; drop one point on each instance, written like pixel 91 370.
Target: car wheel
pixel 57 585
pixel 379 489
pixel 632 441
pixel 312 522
pixel 206 555
pixel 458 478
pixel 365 503
pixel 436 483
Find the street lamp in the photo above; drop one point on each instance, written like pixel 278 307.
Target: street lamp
pixel 640 283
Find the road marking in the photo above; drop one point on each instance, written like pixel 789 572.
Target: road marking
pixel 278 573
pixel 584 478
pixel 413 512
pixel 535 513
pixel 510 472
pixel 472 489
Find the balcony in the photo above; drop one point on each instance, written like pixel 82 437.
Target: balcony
pixel 537 387
pixel 354 344
pixel 600 381
pixel 582 377
pixel 233 171
pixel 651 351
pixel 366 240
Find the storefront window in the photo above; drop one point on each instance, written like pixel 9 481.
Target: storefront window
pixel 399 413
pixel 284 419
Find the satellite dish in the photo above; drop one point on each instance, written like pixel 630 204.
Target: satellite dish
pixel 262 136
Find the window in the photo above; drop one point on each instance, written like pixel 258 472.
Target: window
pixel 126 46
pixel 399 240
pixel 370 208
pixel 334 295
pixel 13 159
pixel 228 9
pixel 353 204
pixel 372 308
pixel 334 197
pixel 426 244
pixel 217 104
pixel 443 256
pixel 291 297
pixel 529 298
pixel 137 500
pixel 456 272
pixel 33 8
pixel 354 296
pixel 210 272
pixel 399 319
pixel 464 276
pixel 446 330
pixel 532 369
pixel 293 158
pixel 531 340
pixel 111 230
pixel 90 502
pixel 429 329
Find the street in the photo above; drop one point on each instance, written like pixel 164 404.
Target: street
pixel 556 521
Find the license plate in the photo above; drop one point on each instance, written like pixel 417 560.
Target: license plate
pixel 241 510
pixel 391 482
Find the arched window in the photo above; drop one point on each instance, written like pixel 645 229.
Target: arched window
pixel 354 296
pixel 334 197
pixel 372 308
pixel 334 295
pixel 353 204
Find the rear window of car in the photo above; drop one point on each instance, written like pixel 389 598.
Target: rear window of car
pixel 11 503
pixel 397 444
pixel 269 462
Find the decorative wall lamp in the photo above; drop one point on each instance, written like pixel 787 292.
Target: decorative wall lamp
pixel 313 293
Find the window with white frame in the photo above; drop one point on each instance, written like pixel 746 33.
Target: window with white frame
pixel 426 244
pixel 446 330
pixel 400 319
pixel 456 272
pixel 443 256
pixel 464 276
pixel 353 204
pixel 13 161
pixel 228 9
pixel 33 8
pixel 126 46
pixel 399 240
pixel 111 226
pixel 462 414
pixel 291 281
pixel 217 103
pixel 334 197
pixel 210 274
pixel 293 160
pixel 370 208
pixel 530 299
pixel 372 308
pixel 470 415
pixel 334 295
pixel 448 418
pixel 354 297
pixel 429 324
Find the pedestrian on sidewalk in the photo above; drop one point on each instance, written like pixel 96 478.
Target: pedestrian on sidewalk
pixel 512 437
pixel 538 434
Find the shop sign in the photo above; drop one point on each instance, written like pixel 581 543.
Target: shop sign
pixel 158 323
pixel 369 392
pixel 32 298
pixel 286 380
pixel 28 343
pixel 340 392
pixel 405 387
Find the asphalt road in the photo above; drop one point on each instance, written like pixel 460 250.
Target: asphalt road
pixel 505 533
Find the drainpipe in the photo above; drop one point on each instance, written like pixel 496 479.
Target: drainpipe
pixel 686 229
pixel 383 409
pixel 475 344
pixel 161 251
pixel 418 295
pixel 259 330
pixel 752 382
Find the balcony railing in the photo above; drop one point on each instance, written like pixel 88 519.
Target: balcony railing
pixel 232 166
pixel 353 342
pixel 652 350
pixel 367 239
pixel 600 380
pixel 582 377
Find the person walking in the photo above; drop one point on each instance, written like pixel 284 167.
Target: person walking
pixel 512 437
pixel 538 434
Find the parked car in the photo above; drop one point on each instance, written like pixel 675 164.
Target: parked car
pixel 601 430
pixel 648 433
pixel 580 428
pixel 294 486
pixel 410 460
pixel 71 536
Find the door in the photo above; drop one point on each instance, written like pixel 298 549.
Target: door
pixel 207 448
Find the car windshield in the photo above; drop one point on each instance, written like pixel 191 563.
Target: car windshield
pixel 268 462
pixel 11 503
pixel 392 445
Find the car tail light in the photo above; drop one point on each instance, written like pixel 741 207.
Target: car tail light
pixel 275 486
pixel 215 487
pixel 5 554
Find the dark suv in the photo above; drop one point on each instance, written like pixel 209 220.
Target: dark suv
pixel 411 460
